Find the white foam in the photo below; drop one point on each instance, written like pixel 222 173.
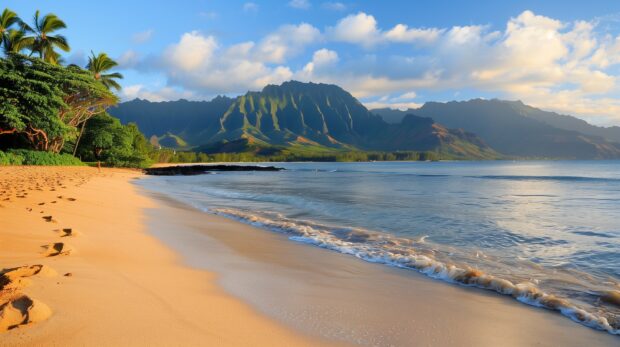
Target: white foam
pixel 385 249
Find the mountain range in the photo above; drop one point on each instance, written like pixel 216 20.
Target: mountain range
pixel 515 129
pixel 304 117
pixel 313 117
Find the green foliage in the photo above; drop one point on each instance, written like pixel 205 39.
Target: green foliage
pixel 26 157
pixel 170 156
pixel 44 103
pixel 106 139
pixel 10 159
pixel 31 98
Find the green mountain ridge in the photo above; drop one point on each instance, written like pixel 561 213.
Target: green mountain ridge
pixel 516 129
pixel 297 117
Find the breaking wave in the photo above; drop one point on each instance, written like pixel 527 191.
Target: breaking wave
pixel 376 247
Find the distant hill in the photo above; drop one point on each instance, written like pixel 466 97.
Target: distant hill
pixel 189 120
pixel 515 129
pixel 301 116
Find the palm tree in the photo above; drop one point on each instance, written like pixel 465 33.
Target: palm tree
pixel 15 41
pixel 42 42
pixel 7 20
pixel 98 64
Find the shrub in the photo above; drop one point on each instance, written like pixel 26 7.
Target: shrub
pixel 43 158
pixel 10 159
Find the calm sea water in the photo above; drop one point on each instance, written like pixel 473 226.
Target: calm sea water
pixel 544 232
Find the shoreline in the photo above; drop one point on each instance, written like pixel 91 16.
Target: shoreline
pixel 138 268
pixel 333 295
pixel 109 282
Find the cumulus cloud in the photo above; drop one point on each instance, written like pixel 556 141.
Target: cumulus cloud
pixel 300 4
pixel 199 62
pixel 563 66
pixel 402 33
pixel 320 59
pixel 359 29
pixel 362 29
pixel 286 41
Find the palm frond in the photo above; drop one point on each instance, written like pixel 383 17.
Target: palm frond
pixel 51 23
pixel 8 18
pixel 60 42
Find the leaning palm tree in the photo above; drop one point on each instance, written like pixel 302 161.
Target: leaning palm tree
pixel 43 43
pixel 8 19
pixel 98 64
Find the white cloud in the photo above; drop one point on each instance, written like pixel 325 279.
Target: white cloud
pixel 128 60
pixel 142 37
pixel 362 29
pixel 286 41
pixel 300 4
pixel 334 6
pixel 250 7
pixel 321 58
pixel 407 96
pixel 564 66
pixel 358 28
pixel 200 63
pixel 403 106
pixel 402 33
pixel 192 51
pixel 139 91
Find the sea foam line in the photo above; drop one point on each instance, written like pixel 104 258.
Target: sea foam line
pixel 380 248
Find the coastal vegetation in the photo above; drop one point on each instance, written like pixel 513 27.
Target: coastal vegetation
pixel 46 107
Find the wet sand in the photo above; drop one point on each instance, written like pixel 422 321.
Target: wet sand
pixel 78 268
pixel 332 295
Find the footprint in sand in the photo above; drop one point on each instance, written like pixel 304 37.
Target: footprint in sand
pixel 67 232
pixel 49 219
pixel 22 310
pixel 16 278
pixel 56 249
pixel 17 309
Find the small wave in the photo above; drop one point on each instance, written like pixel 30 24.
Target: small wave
pixel 406 253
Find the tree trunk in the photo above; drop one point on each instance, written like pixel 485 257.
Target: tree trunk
pixel 77 142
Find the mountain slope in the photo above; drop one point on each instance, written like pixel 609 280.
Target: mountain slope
pixel 423 134
pixel 513 128
pixel 189 120
pixel 303 117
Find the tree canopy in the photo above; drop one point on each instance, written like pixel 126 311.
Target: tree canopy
pixel 46 102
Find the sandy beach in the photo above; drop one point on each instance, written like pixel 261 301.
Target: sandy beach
pixel 89 258
pixel 79 269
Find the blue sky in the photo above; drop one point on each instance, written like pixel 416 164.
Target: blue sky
pixel 557 55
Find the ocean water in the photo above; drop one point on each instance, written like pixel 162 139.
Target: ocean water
pixel 546 233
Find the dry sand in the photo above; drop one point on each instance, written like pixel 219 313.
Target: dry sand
pixel 78 268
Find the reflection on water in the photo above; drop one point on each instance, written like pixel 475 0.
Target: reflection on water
pixel 552 225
